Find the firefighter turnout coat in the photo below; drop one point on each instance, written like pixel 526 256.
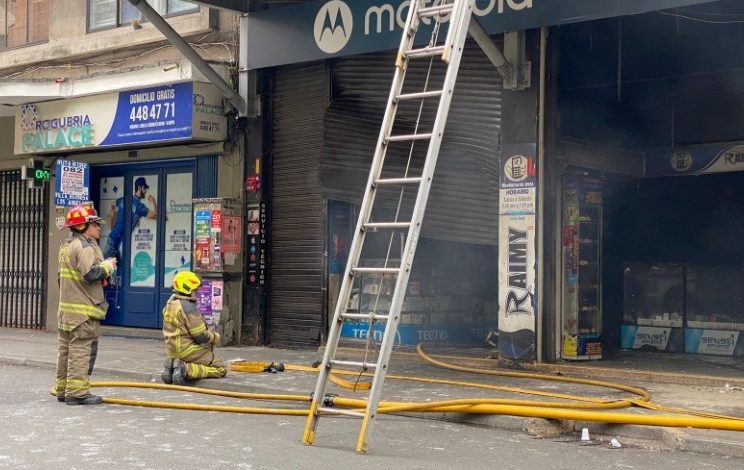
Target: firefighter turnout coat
pixel 81 272
pixel 188 338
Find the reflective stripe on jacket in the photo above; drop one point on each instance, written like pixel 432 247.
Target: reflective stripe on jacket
pixel 80 299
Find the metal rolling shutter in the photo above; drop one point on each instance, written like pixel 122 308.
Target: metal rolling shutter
pixel 297 279
pixel 463 204
pixel 22 253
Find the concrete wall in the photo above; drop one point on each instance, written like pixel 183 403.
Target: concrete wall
pixel 8 161
pixel 72 52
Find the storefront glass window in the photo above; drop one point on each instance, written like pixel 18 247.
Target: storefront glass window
pixel 177 225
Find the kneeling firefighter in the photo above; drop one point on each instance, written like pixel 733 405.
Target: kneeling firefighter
pixel 189 343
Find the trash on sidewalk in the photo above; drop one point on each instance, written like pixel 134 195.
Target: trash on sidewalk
pixel 615 443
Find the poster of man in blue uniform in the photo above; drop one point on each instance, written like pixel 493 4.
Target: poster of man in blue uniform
pixel 139 210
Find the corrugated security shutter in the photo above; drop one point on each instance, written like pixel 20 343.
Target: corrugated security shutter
pixel 297 296
pixel 463 203
pixel 22 253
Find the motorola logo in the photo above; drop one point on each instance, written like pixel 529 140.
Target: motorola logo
pixel 333 26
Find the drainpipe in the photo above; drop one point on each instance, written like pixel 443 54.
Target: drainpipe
pixel 179 43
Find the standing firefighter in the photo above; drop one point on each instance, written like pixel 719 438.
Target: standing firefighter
pixel 188 342
pixel 82 305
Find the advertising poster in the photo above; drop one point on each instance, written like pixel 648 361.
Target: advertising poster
pixel 517 252
pixel 177 225
pixel 111 192
pixel 144 229
pixel 232 238
pixel 218 288
pixel 202 257
pixel 204 298
pixel 72 184
pixel 202 220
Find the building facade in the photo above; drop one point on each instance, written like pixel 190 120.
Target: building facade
pixel 94 84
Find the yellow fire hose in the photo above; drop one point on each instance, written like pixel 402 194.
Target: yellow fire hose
pixel 564 407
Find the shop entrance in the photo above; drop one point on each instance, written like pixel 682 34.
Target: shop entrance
pixel 147 209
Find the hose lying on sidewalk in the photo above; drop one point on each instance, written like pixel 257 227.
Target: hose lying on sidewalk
pixel 564 407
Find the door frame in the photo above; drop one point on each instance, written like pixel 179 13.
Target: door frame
pixel 123 297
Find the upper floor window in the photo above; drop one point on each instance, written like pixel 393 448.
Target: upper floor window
pixel 23 22
pixel 112 13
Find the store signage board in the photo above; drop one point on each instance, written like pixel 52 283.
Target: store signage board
pixel 716 342
pixel 636 337
pixel 517 251
pixel 696 160
pixel 179 112
pixel 336 28
pixel 72 183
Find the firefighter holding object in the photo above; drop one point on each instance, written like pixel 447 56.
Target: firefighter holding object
pixel 189 343
pixel 81 274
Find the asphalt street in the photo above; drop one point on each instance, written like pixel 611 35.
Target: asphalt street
pixel 40 433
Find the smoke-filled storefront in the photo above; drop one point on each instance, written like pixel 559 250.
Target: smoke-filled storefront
pixel 538 225
pixel 650 177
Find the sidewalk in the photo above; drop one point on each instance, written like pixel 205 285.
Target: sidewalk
pixel 141 359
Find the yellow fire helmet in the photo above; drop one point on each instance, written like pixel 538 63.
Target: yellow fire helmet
pixel 186 282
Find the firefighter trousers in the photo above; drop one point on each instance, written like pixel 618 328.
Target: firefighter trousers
pixel 203 364
pixel 75 359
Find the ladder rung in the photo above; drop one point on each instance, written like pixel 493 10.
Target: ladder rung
pixel 384 225
pixel 390 181
pixel 423 94
pixel 427 51
pixel 377 270
pixel 361 365
pixel 435 10
pixel 365 316
pixel 341 411
pixel 405 137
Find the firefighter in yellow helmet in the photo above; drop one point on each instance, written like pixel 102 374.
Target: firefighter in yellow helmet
pixel 189 343
pixel 82 274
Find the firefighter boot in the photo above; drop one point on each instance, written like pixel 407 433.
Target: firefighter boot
pixel 86 400
pixel 167 375
pixel 179 372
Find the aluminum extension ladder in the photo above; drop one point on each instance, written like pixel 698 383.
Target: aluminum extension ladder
pixel 459 13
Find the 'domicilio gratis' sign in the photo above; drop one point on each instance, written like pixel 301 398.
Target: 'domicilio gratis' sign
pixel 178 112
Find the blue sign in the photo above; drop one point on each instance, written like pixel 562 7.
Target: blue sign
pixel 152 114
pixel 72 183
pixel 410 335
pixel 335 28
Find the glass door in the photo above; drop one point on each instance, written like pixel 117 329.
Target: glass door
pixel 148 215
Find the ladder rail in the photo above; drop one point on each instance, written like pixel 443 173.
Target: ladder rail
pixel 365 212
pixel 459 33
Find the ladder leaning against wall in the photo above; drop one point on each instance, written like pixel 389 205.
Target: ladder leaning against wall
pixel 459 14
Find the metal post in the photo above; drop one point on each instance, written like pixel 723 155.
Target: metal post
pixel 179 43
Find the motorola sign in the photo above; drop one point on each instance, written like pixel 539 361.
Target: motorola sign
pixel 334 24
pixel 333 28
